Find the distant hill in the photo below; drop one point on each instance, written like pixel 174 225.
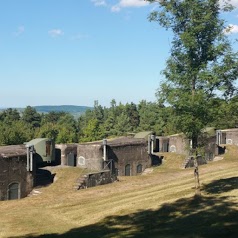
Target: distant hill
pixel 76 111
pixel 62 108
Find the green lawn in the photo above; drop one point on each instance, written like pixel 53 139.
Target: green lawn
pixel 160 204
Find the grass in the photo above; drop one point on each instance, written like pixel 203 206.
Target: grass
pixel 160 204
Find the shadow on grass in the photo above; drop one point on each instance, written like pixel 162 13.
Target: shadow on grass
pixel 188 217
pixel 221 185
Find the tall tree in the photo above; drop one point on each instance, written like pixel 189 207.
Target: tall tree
pixel 133 115
pixel 31 116
pixel 202 63
pixel 52 117
pixel 10 116
pixel 15 133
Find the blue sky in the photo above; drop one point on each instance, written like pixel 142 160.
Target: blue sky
pixel 58 52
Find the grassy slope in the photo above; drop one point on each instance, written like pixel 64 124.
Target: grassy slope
pixel 161 204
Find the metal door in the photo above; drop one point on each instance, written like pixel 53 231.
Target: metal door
pixel 13 191
pixel 128 170
pixel 71 159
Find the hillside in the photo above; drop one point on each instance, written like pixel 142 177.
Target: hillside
pixel 160 204
pixel 72 109
pixel 62 108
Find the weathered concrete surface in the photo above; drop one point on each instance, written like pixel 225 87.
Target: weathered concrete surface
pixel 13 163
pixel 95 179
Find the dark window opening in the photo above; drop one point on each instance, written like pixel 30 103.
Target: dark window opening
pixel 48 148
pixel 139 169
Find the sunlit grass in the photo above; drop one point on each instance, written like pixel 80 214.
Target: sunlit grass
pixel 160 204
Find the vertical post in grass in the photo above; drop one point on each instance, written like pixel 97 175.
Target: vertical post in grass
pixel 196 176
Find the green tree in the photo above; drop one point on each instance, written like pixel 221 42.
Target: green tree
pixel 98 112
pixel 91 132
pixel 202 64
pixel 48 130
pixel 67 128
pixel 10 116
pixel 153 117
pixel 15 133
pixel 133 115
pixel 123 124
pixel 52 117
pixel 31 116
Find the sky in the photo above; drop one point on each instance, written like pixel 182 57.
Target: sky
pixel 74 52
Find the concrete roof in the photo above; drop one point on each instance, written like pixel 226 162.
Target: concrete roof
pixel 10 151
pixel 36 141
pixel 119 141
pixel 232 129
pixel 126 141
pixel 143 134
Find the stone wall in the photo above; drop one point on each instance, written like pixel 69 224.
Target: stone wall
pixel 190 161
pixel 130 156
pixel 99 178
pixel 124 156
pixel 13 174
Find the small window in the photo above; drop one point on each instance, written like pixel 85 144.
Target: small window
pixel 139 169
pixel 13 191
pixel 48 148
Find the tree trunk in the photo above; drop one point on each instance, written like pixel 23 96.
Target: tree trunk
pixel 196 176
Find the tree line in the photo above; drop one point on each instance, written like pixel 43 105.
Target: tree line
pixel 105 122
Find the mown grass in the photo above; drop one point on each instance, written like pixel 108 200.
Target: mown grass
pixel 160 204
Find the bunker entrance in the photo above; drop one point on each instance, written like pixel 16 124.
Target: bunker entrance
pixel 71 159
pixel 13 191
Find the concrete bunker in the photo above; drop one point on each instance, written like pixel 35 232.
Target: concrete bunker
pixel 66 154
pixel 17 172
pixel 123 156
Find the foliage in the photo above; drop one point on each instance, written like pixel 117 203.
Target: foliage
pixel 9 116
pixel 117 120
pixel 15 133
pixel 202 64
pixel 31 116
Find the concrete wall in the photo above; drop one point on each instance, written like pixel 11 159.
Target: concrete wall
pixel 163 143
pixel 211 149
pixel 232 137
pixel 62 152
pixel 99 178
pixel 13 170
pixel 90 155
pixel 178 144
pixel 120 153
pixel 130 153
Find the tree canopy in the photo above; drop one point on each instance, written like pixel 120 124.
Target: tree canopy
pixel 202 64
